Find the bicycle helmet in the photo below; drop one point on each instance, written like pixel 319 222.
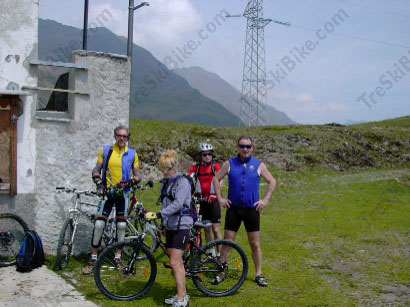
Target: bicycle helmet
pixel 205 147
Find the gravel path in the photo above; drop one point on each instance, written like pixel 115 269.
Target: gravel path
pixel 40 287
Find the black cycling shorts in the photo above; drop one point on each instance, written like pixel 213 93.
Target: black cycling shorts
pixel 250 217
pixel 121 206
pixel 177 238
pixel 211 212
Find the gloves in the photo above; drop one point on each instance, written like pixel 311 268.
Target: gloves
pixel 212 198
pixel 100 188
pixel 123 184
pixel 134 181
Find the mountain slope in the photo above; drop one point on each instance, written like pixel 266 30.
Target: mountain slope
pixel 157 93
pixel 378 145
pixel 214 87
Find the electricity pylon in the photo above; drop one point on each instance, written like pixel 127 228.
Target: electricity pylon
pixel 254 95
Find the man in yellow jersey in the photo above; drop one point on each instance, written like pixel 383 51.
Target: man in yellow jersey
pixel 115 163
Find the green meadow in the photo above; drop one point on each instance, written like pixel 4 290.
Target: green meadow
pixel 336 230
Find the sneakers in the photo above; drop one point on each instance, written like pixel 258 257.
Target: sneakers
pixel 261 281
pixel 218 279
pixel 118 264
pixel 183 303
pixel 89 267
pixel 174 302
pixel 170 301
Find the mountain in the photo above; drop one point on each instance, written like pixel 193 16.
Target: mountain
pixel 157 93
pixel 214 87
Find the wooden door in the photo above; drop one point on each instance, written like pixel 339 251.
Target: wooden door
pixel 9 106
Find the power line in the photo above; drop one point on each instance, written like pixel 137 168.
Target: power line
pixel 356 37
pixel 374 8
pixel 344 35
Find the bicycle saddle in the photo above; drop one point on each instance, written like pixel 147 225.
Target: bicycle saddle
pixel 203 224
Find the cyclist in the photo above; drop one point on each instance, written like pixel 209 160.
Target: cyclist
pixel 204 172
pixel 177 221
pixel 243 200
pixel 115 164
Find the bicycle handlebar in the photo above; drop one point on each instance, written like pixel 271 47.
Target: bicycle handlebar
pixel 75 191
pixel 116 187
pixel 149 184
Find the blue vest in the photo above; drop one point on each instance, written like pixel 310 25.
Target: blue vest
pixel 127 161
pixel 244 182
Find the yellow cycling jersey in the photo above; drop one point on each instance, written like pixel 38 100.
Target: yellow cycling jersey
pixel 115 164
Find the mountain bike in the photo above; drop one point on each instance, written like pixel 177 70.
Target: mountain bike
pixel 214 275
pixel 12 231
pixel 68 231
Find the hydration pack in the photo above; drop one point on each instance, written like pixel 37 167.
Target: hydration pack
pixel 184 211
pixel 31 254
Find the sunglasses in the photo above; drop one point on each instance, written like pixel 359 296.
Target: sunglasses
pixel 165 169
pixel 243 146
pixel 122 136
pixel 206 154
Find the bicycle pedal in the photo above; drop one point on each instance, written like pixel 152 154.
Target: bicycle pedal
pixel 166 265
pixel 196 277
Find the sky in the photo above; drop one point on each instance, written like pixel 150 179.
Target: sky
pixel 339 61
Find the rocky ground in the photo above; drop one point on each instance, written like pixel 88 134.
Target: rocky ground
pixel 40 287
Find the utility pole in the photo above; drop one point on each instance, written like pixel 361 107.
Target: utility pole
pixel 131 9
pixel 85 27
pixel 254 94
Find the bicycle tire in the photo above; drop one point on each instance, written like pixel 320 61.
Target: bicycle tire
pixel 117 285
pixel 63 256
pixel 12 231
pixel 208 267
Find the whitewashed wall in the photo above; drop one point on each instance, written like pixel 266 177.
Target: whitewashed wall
pixel 18 43
pixel 67 151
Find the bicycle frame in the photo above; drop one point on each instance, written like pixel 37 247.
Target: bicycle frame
pixel 137 274
pixel 194 244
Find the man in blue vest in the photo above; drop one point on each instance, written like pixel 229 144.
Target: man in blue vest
pixel 243 202
pixel 116 163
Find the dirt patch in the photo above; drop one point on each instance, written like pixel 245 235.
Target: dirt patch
pixel 40 287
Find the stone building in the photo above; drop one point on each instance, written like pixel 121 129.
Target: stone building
pixel 43 149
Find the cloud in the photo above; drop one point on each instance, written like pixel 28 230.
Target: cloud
pixel 304 97
pixel 306 108
pixel 159 27
pixel 105 15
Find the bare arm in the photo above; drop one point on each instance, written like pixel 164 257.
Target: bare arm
pixel 271 186
pixel 136 173
pixel 217 182
pixel 96 173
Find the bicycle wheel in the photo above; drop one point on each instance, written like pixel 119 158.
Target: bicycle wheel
pixel 220 275
pixel 114 282
pixel 12 231
pixel 65 244
pixel 149 240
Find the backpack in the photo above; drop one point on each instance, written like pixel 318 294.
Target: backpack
pixel 197 174
pixel 187 211
pixel 31 253
pixel 198 165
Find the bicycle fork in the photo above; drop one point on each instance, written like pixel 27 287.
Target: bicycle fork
pixel 128 269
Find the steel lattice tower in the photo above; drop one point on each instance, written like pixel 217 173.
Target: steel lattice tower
pixel 253 98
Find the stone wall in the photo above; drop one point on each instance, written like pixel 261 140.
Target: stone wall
pixel 67 151
pixel 57 150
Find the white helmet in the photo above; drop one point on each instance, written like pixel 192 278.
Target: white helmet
pixel 205 147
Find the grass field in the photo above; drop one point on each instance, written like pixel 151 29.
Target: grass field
pixel 328 238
